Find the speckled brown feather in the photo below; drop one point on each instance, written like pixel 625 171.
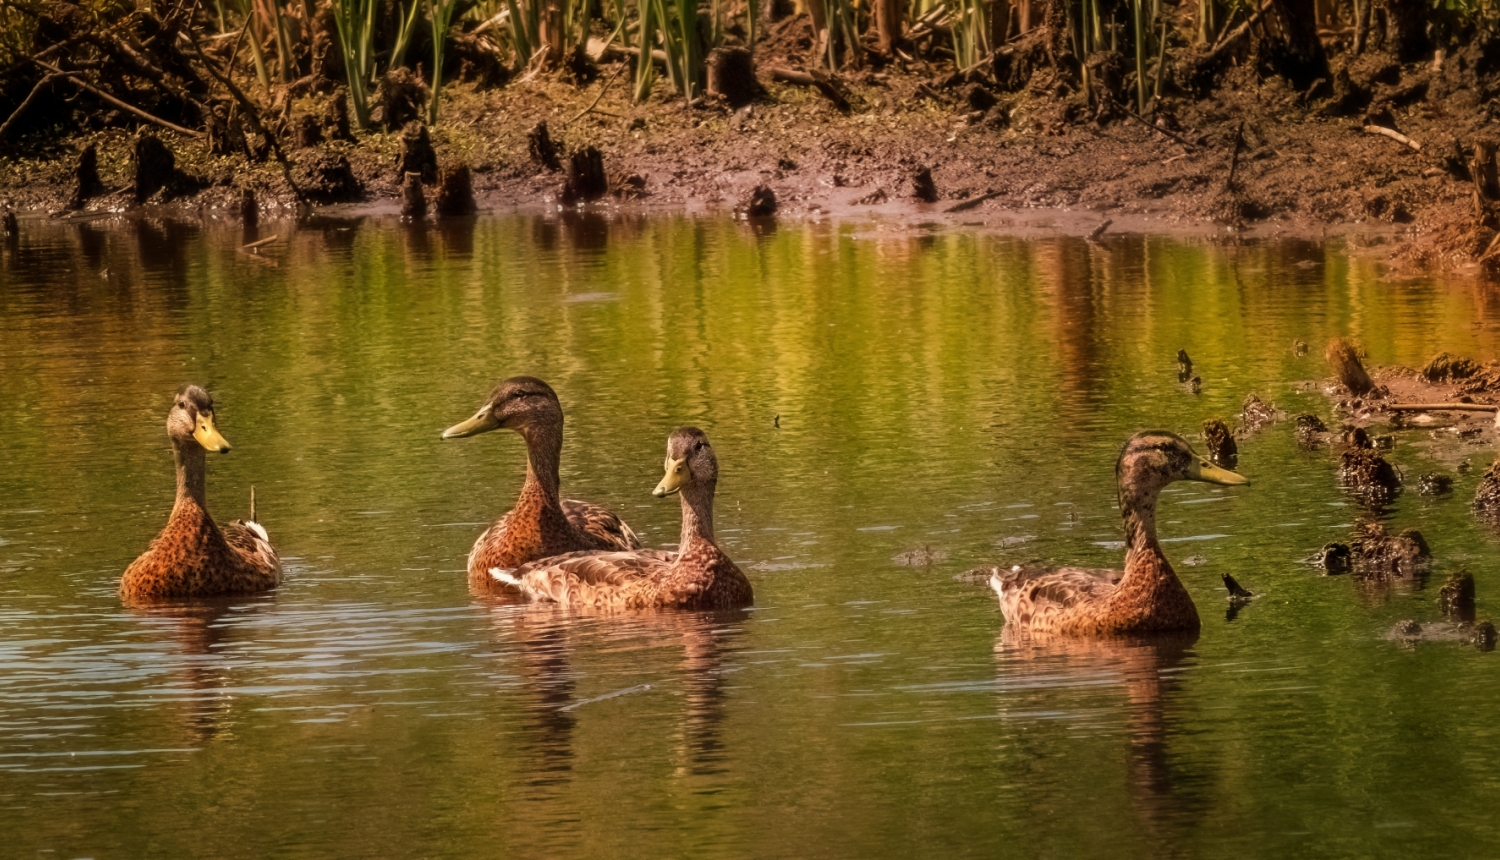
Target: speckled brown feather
pixel 701 576
pixel 540 525
pixel 193 557
pixel 1146 597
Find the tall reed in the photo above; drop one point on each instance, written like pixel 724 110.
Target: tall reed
pixel 355 20
pixel 440 13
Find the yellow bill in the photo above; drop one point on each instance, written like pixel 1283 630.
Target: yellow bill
pixel 1202 470
pixel 482 422
pixel 672 481
pixel 208 435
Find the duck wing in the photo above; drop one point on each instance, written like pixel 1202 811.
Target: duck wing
pixel 588 578
pixel 1036 597
pixel 601 524
pixel 249 541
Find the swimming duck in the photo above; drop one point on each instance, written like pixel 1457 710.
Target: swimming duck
pixel 698 576
pixel 193 557
pixel 542 524
pixel 1147 596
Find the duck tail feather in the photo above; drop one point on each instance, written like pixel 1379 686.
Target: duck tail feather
pixel 505 576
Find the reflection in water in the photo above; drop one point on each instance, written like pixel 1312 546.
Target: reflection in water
pixel 1166 805
pixel 198 630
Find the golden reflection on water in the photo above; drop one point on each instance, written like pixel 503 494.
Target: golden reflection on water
pixel 934 387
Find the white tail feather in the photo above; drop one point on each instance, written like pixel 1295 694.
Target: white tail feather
pixel 258 529
pixel 505 576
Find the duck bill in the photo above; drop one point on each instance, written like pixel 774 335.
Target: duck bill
pixel 672 481
pixel 483 422
pixel 208 435
pixel 1211 474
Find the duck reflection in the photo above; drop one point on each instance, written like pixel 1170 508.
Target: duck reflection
pixel 200 631
pixel 543 644
pixel 1165 802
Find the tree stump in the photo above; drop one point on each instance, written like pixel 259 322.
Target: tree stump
pixel 922 186
pixel 585 177
pixel 731 74
pixel 1344 359
pixel 413 201
pixel 760 204
pixel 455 197
pixel 417 154
pixel 87 184
pixel 155 166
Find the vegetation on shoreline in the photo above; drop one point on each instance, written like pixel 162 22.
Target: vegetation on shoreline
pixel 265 80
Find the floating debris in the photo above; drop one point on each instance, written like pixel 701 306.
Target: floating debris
pixel 1368 476
pixel 1456 597
pixel 1487 496
pixel 1334 558
pixel 1377 554
pixel 1221 446
pixel 1310 431
pixel 1434 484
pixel 1256 415
pixel 1184 366
pixel 1483 636
pixel 1236 591
pixel 1299 348
pixel 922 556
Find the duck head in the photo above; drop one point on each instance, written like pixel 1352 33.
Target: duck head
pixel 191 421
pixel 1155 458
pixel 521 403
pixel 691 465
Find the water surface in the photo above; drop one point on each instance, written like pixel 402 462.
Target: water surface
pixel 933 389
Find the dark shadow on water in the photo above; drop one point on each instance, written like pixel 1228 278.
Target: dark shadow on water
pixel 457 235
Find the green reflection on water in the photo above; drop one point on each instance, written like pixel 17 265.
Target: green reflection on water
pixel 934 389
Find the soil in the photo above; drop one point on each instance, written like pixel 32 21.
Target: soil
pixel 918 143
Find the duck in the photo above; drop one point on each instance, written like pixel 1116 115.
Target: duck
pixel 542 524
pixel 700 575
pixel 192 556
pixel 1146 597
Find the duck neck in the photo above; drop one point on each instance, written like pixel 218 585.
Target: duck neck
pixel 1142 550
pixel 191 466
pixel 697 518
pixel 543 453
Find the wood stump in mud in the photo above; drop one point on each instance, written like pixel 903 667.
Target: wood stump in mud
pixel 86 182
pixel 336 116
pixel 413 199
pixel 12 227
pixel 586 179
pixel 1378 554
pixel 1456 597
pixel 1368 476
pixel 543 150
pixel 155 166
pixel 399 98
pixel 1449 368
pixel 1310 431
pixel 417 154
pixel 326 177
pixel 760 204
pixel 1221 446
pixel 922 186
pixel 1487 496
pixel 1343 357
pixel 731 74
pixel 455 197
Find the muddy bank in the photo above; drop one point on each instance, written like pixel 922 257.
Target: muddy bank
pixel 1251 154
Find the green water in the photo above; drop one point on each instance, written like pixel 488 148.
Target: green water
pixel 935 388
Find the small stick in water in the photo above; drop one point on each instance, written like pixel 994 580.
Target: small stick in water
pixel 1184 366
pixel 1235 589
pixel 1344 359
pixel 252 503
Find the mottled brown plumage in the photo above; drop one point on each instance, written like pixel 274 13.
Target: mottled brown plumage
pixel 1147 597
pixel 698 576
pixel 542 524
pixel 193 557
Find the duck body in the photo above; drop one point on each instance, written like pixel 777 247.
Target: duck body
pixel 699 576
pixel 1144 598
pixel 542 524
pixel 192 556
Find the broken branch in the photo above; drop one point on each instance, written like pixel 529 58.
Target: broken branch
pixel 1393 135
pixel 79 82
